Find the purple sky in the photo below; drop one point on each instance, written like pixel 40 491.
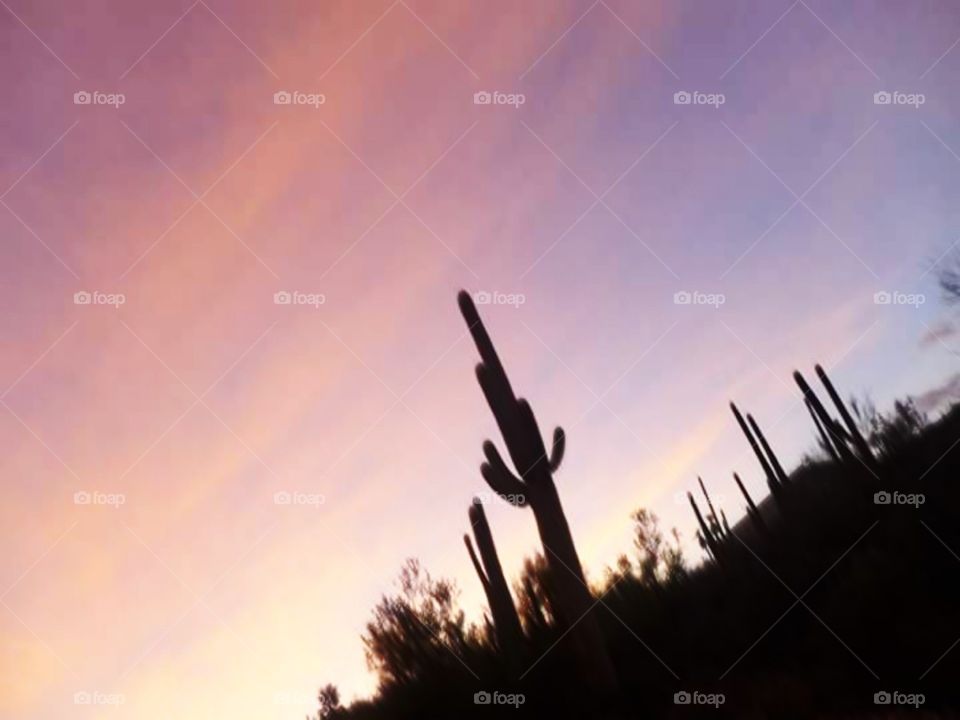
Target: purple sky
pixel 793 200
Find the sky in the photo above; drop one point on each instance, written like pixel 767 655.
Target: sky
pixel 207 488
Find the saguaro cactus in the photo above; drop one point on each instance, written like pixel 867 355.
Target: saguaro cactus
pixel 752 509
pixel 767 470
pixel 711 541
pixel 506 622
pixel 535 488
pixel 774 462
pixel 715 525
pixel 825 440
pixel 828 423
pixel 863 448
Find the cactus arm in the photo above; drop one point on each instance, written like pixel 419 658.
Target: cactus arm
pixel 559 447
pixel 476 563
pixel 500 479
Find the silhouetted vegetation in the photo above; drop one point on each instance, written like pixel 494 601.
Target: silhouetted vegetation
pixel 842 583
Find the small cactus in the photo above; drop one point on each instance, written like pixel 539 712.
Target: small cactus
pixel 863 448
pixel 533 486
pixel 710 542
pixel 767 470
pixel 752 509
pixel 830 426
pixel 715 525
pixel 782 478
pixel 825 440
pixel 506 622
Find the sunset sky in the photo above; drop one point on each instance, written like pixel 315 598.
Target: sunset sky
pixel 596 201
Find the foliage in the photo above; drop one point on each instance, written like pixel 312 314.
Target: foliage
pixel 417 632
pixel 659 561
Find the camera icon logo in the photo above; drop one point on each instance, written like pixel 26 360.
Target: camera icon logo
pixel 882 698
pixel 682 698
pixel 482 97
pixel 482 698
pixel 882 97
pixel 882 498
pixel 82 698
pixel 282 97
pixel 282 498
pixel 282 297
pixel 882 298
pixel 482 298
pixel 81 497
pixel 82 97
pixel 82 298
pixel 682 298
pixel 682 97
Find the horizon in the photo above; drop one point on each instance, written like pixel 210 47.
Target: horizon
pixel 236 309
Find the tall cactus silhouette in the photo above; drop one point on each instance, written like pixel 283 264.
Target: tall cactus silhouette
pixel 710 541
pixel 535 488
pixel 830 426
pixel 767 470
pixel 768 451
pixel 506 622
pixel 752 509
pixel 863 448
pixel 825 440
pixel 715 525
